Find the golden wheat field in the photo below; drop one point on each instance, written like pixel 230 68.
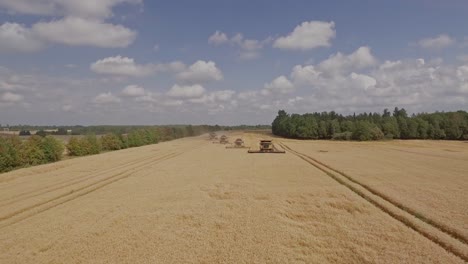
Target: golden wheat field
pixel 192 201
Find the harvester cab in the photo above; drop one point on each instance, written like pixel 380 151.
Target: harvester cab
pixel 238 143
pixel 223 139
pixel 213 136
pixel 267 146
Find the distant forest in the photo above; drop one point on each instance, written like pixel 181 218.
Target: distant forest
pixel 124 129
pixel 373 126
pixel 44 147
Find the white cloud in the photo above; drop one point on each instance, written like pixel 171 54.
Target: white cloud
pixel 71 31
pixel 75 31
pixel 363 81
pixel 82 23
pixel 106 98
pixel 463 58
pixel 280 85
pixel 462 73
pixel 119 65
pixel 337 67
pixel 439 42
pixel 305 74
pixel 246 95
pixel 82 8
pixel 175 67
pixel 249 48
pixel 218 38
pixel 17 38
pixel 187 91
pixel 308 35
pixel 357 82
pixel 67 108
pixel 214 97
pixel 359 59
pixel 169 102
pixel 201 72
pixel 133 91
pixel 124 66
pixel 12 97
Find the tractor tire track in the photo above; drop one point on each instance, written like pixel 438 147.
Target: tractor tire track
pixel 425 154
pixel 46 172
pixel 37 208
pixel 446 240
pixel 68 182
pixel 401 206
pixel 63 184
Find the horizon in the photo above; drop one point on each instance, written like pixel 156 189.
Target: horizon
pixel 2 125
pixel 141 62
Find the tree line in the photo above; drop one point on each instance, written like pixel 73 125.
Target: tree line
pixel 16 152
pixel 25 130
pixel 372 126
pixel 36 150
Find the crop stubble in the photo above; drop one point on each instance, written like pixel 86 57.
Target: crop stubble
pixel 192 201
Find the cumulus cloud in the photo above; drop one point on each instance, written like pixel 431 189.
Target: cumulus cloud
pixel 186 91
pixel 359 59
pixel 83 24
pixel 358 82
pixel 363 81
pixel 463 57
pixel 67 108
pixel 248 48
pixel 218 38
pixel 72 31
pixel 308 35
pixel 106 98
pixel 133 91
pixel 82 8
pixel 279 85
pixel 201 72
pixel 438 42
pixel 17 38
pixel 9 97
pixel 336 66
pixel 174 67
pixel 214 97
pixel 119 65
pixel 76 31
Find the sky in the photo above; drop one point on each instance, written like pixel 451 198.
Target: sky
pixel 140 62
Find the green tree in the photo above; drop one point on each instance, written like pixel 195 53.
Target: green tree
pixel 31 151
pixel 52 149
pixel 10 157
pixel 111 142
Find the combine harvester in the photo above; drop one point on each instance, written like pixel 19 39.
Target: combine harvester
pixel 238 144
pixel 213 136
pixel 223 139
pixel 266 146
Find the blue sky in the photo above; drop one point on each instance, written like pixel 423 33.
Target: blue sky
pixel 227 62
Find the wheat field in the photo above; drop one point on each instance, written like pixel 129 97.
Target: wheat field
pixel 192 201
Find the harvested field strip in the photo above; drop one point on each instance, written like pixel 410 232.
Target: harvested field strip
pixel 69 182
pixel 36 171
pixel 425 154
pixel 37 208
pixel 438 225
pixel 453 245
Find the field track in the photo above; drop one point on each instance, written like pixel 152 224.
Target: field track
pixel 437 233
pixel 191 201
